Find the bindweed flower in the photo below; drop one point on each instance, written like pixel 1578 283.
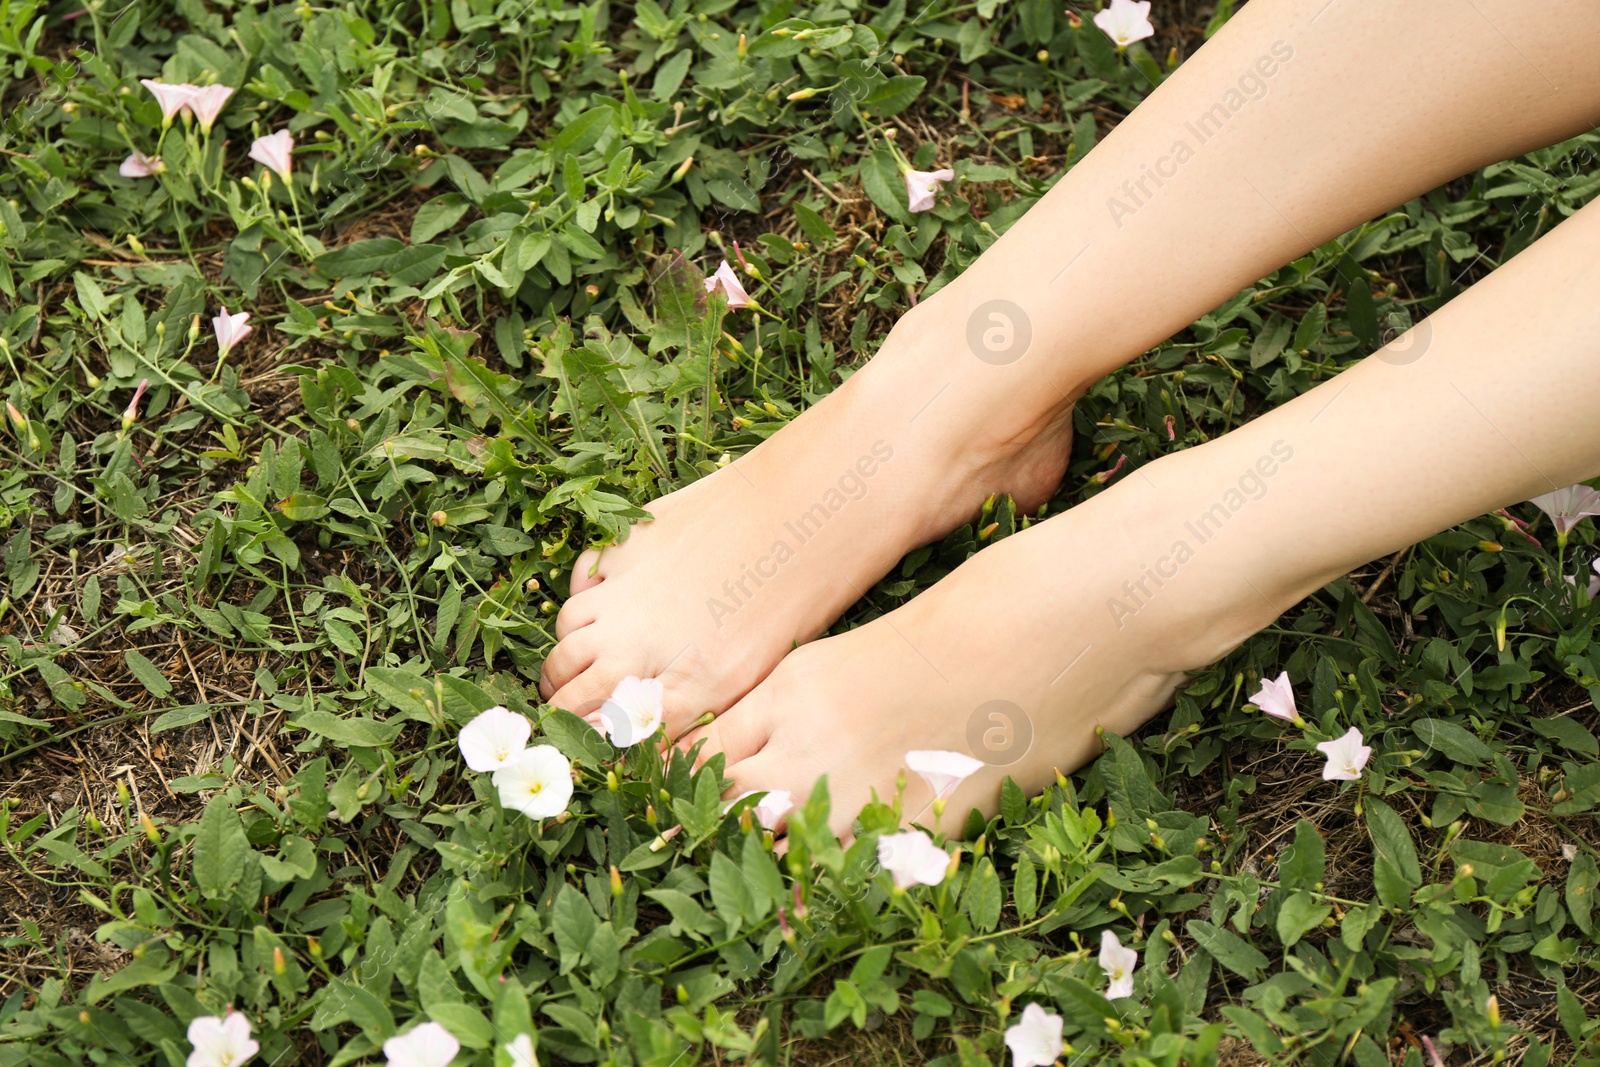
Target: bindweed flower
pixel 494 738
pixel 1568 507
pixel 427 1045
pixel 230 330
pixel 633 712
pixel 275 152
pixel 139 165
pixel 537 782
pixel 771 808
pixel 207 103
pixel 912 858
pixel 520 1049
pixel 923 185
pixel 130 414
pixel 943 771
pixel 1346 756
pixel 1276 698
pixel 1125 21
pixel 1118 962
pixel 1035 1039
pixel 728 282
pixel 221 1041
pixel 174 99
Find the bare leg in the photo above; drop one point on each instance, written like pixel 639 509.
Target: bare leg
pixel 1364 106
pixel 1498 409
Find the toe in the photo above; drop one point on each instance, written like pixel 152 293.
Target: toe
pixel 570 658
pixel 739 733
pixel 579 611
pixel 584 693
pixel 586 572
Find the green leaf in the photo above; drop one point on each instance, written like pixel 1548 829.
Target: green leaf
pixel 1395 868
pixel 1299 914
pixel 580 135
pixel 220 849
pixel 1568 734
pixel 894 95
pixel 881 178
pixel 982 897
pixel 355 730
pixel 729 892
pixel 1453 740
pixel 1582 879
pixel 149 674
pixel 1303 863
pixel 184 716
pixel 1228 949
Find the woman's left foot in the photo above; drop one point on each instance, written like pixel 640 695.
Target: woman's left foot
pixel 1015 658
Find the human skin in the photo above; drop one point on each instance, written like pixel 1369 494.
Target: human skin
pixel 1334 113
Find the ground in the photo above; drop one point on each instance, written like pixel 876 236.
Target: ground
pixel 241 632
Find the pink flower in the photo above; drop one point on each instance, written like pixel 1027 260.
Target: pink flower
pixel 207 103
pixel 131 412
pixel 1125 21
pixel 1567 507
pixel 1276 698
pixel 274 152
pixel 172 98
pixel 923 185
pixel 230 330
pixel 139 165
pixel 728 282
pixel 1346 756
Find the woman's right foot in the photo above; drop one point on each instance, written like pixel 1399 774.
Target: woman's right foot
pixel 738 568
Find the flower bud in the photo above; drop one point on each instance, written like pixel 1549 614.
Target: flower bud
pixel 149 828
pixel 1492 1010
pixel 616 881
pixel 802 94
pixel 1043 55
pixel 194 329
pixel 279 966
pixel 683 168
pixel 131 412
pixel 612 783
pixel 439 518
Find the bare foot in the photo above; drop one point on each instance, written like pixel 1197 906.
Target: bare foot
pixel 1017 656
pixel 738 568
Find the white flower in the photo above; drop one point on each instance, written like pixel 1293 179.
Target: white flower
pixel 230 330
pixel 428 1045
pixel 728 282
pixel 1567 507
pixel 943 771
pixel 633 712
pixel 221 1042
pixel 1035 1039
pixel 1125 21
pixel 1346 756
pixel 537 782
pixel 494 738
pixel 521 1052
pixel 912 858
pixel 923 185
pixel 771 808
pixel 1276 697
pixel 1118 963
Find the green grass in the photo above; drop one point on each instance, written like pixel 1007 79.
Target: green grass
pixel 238 639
